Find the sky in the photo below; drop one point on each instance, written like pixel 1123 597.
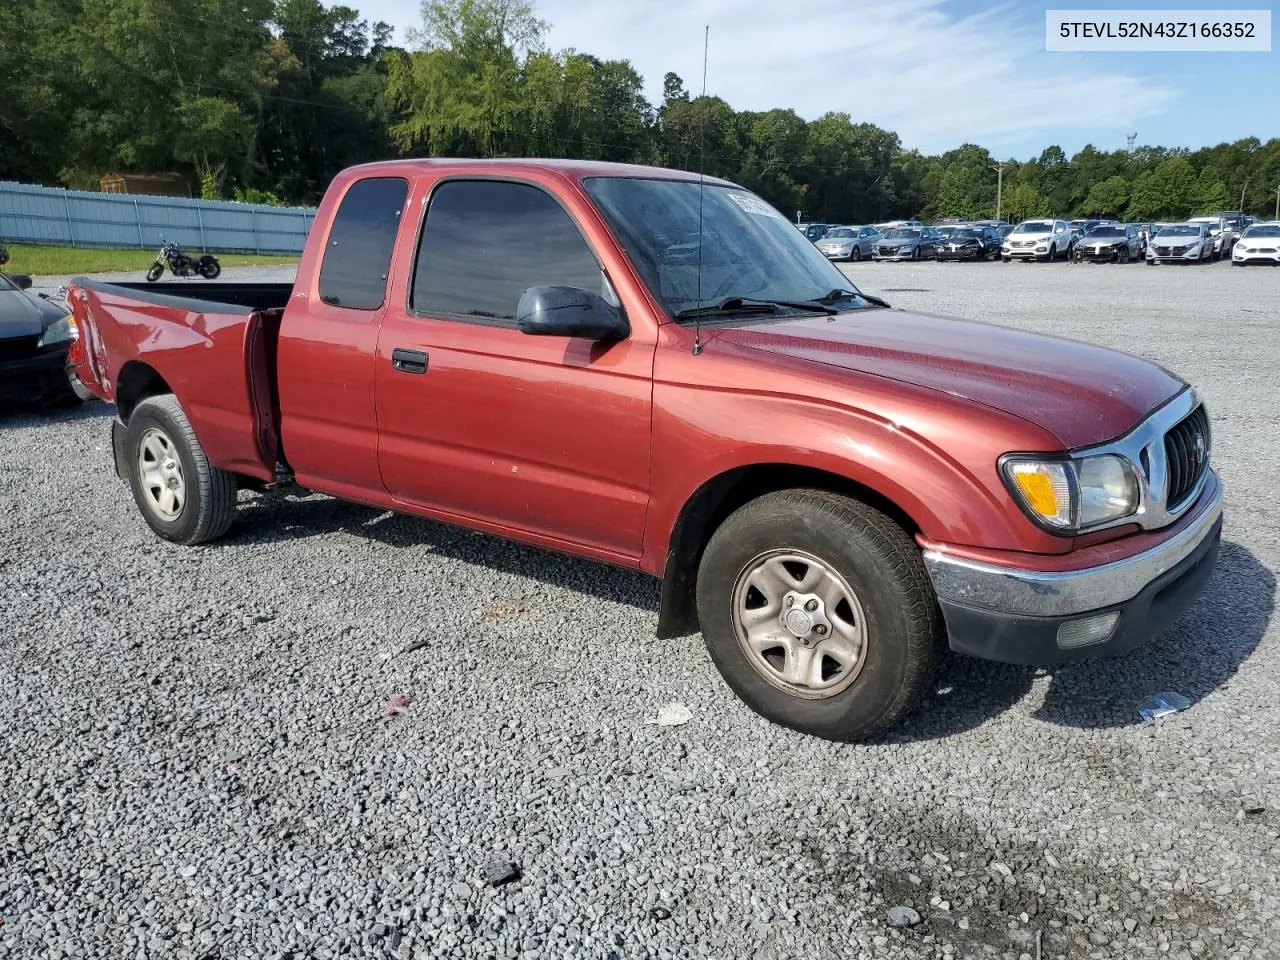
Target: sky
pixel 938 72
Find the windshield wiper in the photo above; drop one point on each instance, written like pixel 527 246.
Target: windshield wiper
pixel 747 305
pixel 839 294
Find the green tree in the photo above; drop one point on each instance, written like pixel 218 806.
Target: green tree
pixel 1025 201
pixel 1107 197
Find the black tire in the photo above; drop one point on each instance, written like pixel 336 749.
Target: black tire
pixel 915 254
pixel 1124 255
pixel 1006 259
pixel 883 568
pixel 155 272
pixel 857 254
pixel 209 268
pixel 209 501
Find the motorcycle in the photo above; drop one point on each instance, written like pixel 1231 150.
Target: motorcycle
pixel 182 265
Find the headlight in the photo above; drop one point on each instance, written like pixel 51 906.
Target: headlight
pixel 1067 496
pixel 60 331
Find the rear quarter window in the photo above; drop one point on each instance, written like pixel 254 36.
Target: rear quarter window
pixel 357 254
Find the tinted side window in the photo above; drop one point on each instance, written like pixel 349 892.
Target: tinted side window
pixel 358 253
pixel 485 242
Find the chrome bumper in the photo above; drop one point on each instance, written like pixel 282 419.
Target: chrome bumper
pixel 1052 593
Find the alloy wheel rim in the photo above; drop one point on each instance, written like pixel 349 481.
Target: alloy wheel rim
pixel 800 624
pixel 160 469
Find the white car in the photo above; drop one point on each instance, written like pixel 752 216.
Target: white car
pixel 1181 243
pixel 1220 230
pixel 1259 243
pixel 1038 240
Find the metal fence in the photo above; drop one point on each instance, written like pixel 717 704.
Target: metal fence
pixel 30 214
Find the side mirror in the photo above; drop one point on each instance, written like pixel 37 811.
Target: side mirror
pixel 22 280
pixel 569 312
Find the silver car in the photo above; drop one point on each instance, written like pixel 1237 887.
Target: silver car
pixel 848 243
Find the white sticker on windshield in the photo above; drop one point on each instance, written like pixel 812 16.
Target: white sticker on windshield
pixel 755 205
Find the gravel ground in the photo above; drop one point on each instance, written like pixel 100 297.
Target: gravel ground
pixel 196 762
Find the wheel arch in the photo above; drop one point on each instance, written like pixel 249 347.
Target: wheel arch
pixel 136 382
pixel 720 496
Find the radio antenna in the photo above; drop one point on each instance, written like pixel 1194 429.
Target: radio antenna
pixel 702 186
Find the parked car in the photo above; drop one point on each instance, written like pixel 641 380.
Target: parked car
pixel 1110 243
pixel 1260 243
pixel 1038 240
pixel 848 243
pixel 1146 231
pixel 949 222
pixel 35 336
pixel 970 243
pixel 814 231
pixel 1181 243
pixel 1080 227
pixel 1223 238
pixel 907 243
pixel 759 445
pixel 4 256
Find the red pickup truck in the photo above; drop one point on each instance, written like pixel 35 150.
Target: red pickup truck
pixel 660 372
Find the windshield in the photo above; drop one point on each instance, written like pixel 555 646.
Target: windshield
pixel 1181 230
pixel 901 233
pixel 839 232
pixel 1105 232
pixel 749 250
pixel 1034 226
pixel 962 234
pixel 1267 230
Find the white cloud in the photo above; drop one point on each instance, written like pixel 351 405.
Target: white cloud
pixel 936 72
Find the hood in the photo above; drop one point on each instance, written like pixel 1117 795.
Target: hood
pixel 1043 235
pixel 1166 240
pixel 1088 241
pixel 897 241
pixel 22 315
pixel 837 241
pixel 1083 394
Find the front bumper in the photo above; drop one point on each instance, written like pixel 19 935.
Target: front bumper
pixel 1269 255
pixel 23 379
pixel 1015 616
pixel 837 254
pixel 962 253
pixel 1025 253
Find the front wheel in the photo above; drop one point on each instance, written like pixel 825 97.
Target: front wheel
pixel 818 613
pixel 856 255
pixel 182 496
pixel 1124 255
pixel 209 268
pixel 155 272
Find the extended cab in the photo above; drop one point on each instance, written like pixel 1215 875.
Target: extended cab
pixel 662 373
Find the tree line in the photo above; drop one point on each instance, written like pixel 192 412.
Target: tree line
pixel 266 100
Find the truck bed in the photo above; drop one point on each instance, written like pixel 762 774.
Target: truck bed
pixel 199 295
pixel 138 338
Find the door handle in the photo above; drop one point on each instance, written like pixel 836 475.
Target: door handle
pixel 409 361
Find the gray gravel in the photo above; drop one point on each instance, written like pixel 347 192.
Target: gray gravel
pixel 197 763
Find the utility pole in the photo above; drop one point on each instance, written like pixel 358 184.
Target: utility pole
pixel 1277 201
pixel 998 167
pixel 1242 190
pixel 1132 139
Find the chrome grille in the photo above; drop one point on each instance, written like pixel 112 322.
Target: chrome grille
pixel 1186 449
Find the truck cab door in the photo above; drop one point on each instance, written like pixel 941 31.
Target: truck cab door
pixel 543 437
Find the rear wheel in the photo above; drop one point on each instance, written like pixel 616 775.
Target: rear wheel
pixel 819 614
pixel 209 268
pixel 182 496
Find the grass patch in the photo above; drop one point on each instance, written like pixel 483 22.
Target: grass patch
pixel 40 261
